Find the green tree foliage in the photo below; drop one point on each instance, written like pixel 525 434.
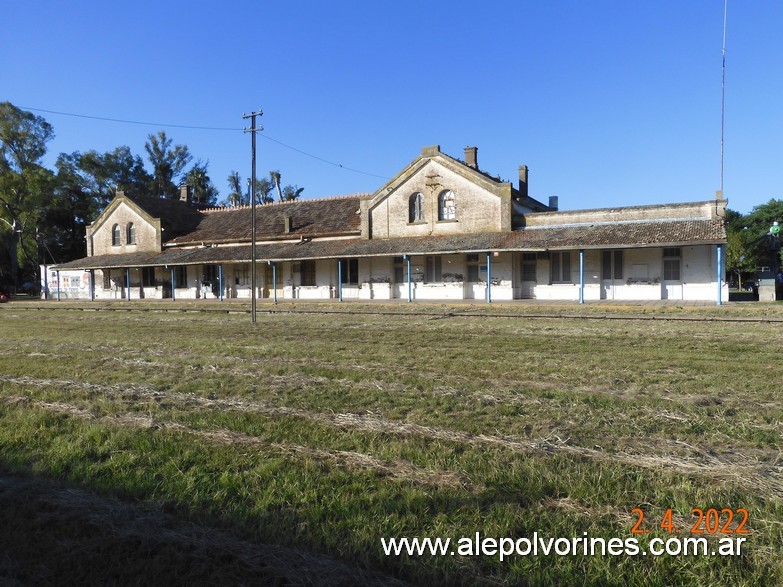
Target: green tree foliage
pixel 287 193
pixel 24 186
pixel 235 196
pixel 739 262
pixel 115 170
pixel 168 164
pixel 204 191
pixel 73 205
pixel 758 223
pixel 47 211
pixel 264 188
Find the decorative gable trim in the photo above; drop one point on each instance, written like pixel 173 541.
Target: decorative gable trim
pixel 430 155
pixel 105 218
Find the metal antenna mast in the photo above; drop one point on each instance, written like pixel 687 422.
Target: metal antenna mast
pixel 253 130
pixel 723 96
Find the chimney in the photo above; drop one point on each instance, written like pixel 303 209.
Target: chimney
pixel 523 181
pixel 184 193
pixel 471 157
pixel 553 203
pixel 287 224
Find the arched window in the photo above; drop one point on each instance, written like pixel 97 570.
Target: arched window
pixel 131 234
pixel 416 208
pixel 447 206
pixel 115 235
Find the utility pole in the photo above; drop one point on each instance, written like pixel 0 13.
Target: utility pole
pixel 253 130
pixel 723 95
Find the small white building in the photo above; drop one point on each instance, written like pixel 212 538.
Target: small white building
pixel 441 229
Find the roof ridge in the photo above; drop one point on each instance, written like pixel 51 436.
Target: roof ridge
pixel 617 222
pixel 355 196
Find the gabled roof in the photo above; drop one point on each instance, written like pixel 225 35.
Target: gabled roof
pixel 308 218
pixel 433 153
pixel 176 217
pixel 662 233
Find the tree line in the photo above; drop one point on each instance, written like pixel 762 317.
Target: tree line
pixel 751 242
pixel 44 212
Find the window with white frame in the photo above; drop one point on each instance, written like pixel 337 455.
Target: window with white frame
pixel 671 263
pixel 416 208
pixel 447 206
pixel 116 236
pixel 560 267
pixel 130 234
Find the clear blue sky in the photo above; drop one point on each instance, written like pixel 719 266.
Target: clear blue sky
pixel 609 103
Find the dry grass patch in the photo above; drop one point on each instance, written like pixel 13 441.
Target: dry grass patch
pixel 328 432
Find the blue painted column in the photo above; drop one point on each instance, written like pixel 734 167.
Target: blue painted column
pixel 274 280
pixel 340 278
pixel 58 286
pixel 410 286
pixel 127 282
pixel 581 276
pixel 220 280
pixel 173 286
pixel 720 275
pixel 92 285
pixel 489 278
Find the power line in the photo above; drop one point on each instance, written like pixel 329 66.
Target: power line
pixel 211 128
pixel 130 121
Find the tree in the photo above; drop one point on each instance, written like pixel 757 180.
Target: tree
pixel 204 191
pixel 235 196
pixel 168 163
pixel 264 188
pixel 758 223
pixel 289 192
pixel 115 170
pixel 72 207
pixel 24 183
pixel 738 258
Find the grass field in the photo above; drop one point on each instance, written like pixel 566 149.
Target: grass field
pixel 285 451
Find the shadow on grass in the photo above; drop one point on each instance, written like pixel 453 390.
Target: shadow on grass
pixel 57 534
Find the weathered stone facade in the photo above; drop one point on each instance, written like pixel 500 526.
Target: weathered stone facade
pixel 120 214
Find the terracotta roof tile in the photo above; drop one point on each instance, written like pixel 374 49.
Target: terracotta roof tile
pixel 176 217
pixel 331 216
pixel 615 235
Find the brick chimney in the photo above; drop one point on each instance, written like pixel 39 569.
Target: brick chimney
pixel 471 157
pixel 287 224
pixel 184 193
pixel 553 203
pixel 523 192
